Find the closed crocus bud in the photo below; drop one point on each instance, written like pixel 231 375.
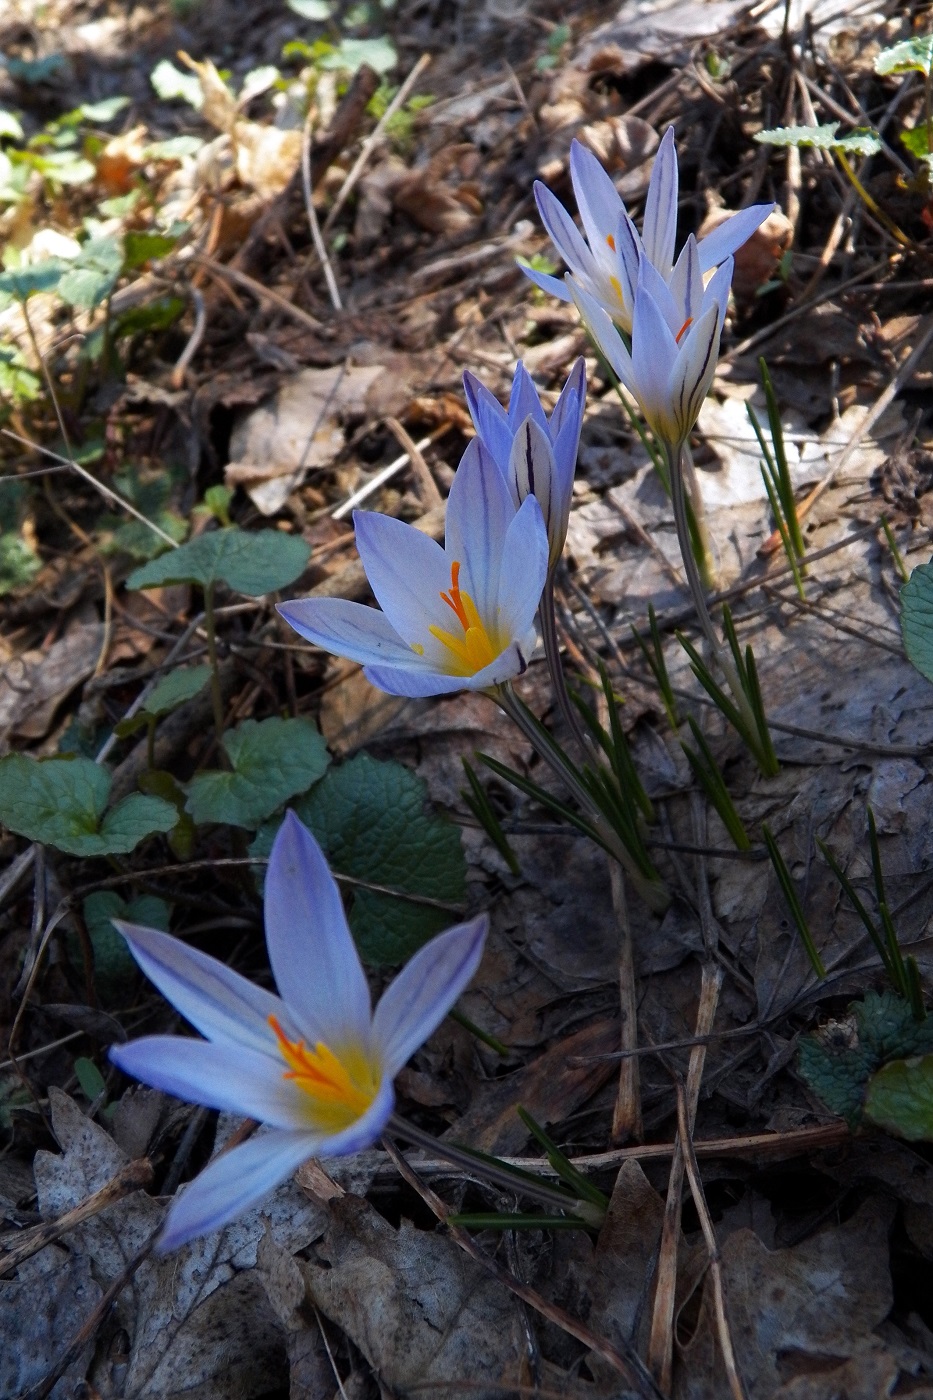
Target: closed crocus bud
pixel 536 455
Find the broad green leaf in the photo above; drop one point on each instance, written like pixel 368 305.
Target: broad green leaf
pixel 105 110
pixel 19 564
pixel 351 54
pixel 273 759
pixel 23 282
pixel 170 82
pixel 10 125
pixel 114 965
pixel 174 148
pixel 310 9
pixel 140 248
pixel 917 618
pixel 839 1060
pixel 824 138
pixel 916 139
pixel 89 1077
pixel 911 56
pixel 248 563
pixel 159 315
pixel 150 494
pixel 177 687
pixel 94 273
pixel 900 1098
pixel 372 820
pixel 61 802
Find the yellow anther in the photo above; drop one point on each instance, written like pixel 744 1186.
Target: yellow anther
pixel 340 1088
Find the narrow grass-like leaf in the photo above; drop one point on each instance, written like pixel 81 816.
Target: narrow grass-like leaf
pixel 789 891
pixel 654 655
pixel 581 1186
pixel 477 799
pixel 707 773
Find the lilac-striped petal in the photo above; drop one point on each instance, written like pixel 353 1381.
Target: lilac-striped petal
pixel 532 471
pixel 572 401
pixel 686 282
pixel 717 292
pixel 224 1076
pixel 524 569
pixel 416 685
pixel 414 1005
pixel 407 571
pixel 554 286
pixel 232 1183
pixel 240 1178
pixel 598 200
pixel 564 233
pixel 489 418
pixel 349 629
pixel 630 254
pixel 659 227
pixel 694 368
pixel 660 293
pixel 654 351
pixel 524 401
pixel 312 953
pixel 604 333
pixel 217 1001
pixel 480 509
pixel 731 234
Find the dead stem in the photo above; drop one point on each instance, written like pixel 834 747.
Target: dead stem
pixel 626 1117
pixel 709 1234
pixel 661 1342
pixel 628 1365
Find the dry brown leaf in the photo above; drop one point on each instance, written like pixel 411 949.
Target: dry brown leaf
pixel 421 1312
pixel 33 685
pixel 279 443
pixel 758 257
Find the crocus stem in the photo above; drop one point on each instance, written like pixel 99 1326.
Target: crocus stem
pixel 548 619
pixel 211 631
pixel 652 891
pixel 501 1176
pixel 698 594
pixel 700 533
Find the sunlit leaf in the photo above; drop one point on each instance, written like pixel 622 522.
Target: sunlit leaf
pixel 917 618
pixel 911 56
pixel 272 760
pixel 255 563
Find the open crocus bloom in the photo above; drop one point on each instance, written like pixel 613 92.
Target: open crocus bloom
pixel 453 618
pixel 315 1064
pixel 536 455
pixel 605 264
pixel 675 343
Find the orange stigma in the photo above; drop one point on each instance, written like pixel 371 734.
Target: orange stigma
pixel 610 239
pixel 475 648
pixel 684 328
pixel 341 1089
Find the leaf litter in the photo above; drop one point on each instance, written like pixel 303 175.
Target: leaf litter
pixel 231 370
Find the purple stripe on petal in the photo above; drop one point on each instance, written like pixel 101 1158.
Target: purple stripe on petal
pixel 524 570
pixel 225 1076
pixel 217 1001
pixel 312 953
pixel 350 629
pixel 233 1182
pixel 731 234
pixel 524 401
pixel 659 227
pixel 489 418
pixel 413 1006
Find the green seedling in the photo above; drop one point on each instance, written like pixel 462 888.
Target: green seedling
pixel 707 773
pixel 896 555
pixel 477 799
pixel 654 655
pixel 753 725
pixel 789 890
pixel 776 475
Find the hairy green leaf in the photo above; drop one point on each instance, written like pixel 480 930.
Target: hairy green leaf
pixel 61 802
pixel 273 759
pixel 911 56
pixel 900 1098
pixel 253 563
pixel 860 142
pixel 917 618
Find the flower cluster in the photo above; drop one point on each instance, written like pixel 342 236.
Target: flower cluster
pixel 314 1064
pixel 621 281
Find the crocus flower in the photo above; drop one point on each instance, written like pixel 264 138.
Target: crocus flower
pixel 605 263
pixel 675 342
pixel 453 618
pixel 536 455
pixel 315 1063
